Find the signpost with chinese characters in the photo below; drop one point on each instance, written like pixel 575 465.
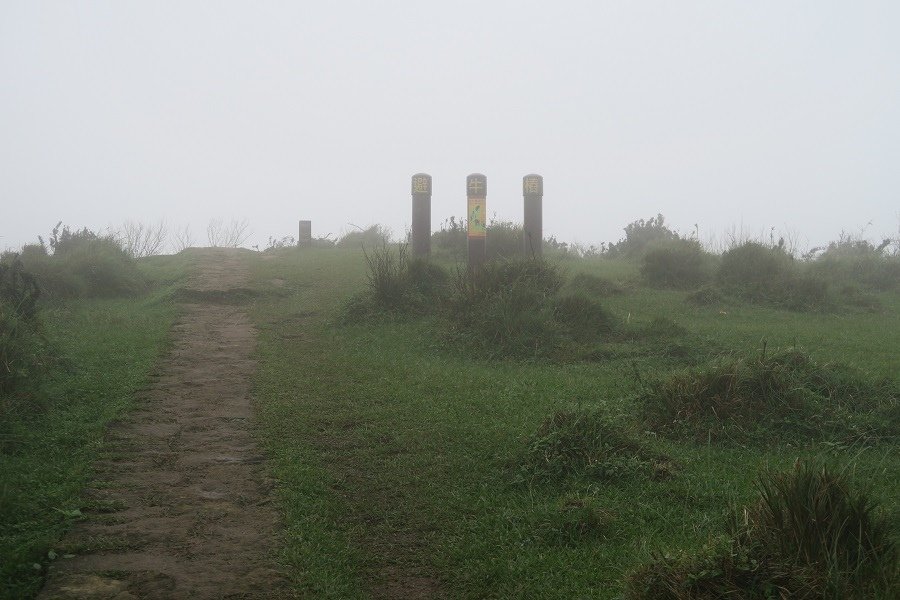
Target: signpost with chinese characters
pixel 421 214
pixel 532 225
pixel 476 193
pixel 304 239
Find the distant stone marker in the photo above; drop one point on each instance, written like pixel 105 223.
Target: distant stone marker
pixel 532 228
pixel 476 194
pixel 421 214
pixel 304 239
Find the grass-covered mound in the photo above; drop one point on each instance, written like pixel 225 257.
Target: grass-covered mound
pixel 786 394
pixel 810 535
pixel 587 444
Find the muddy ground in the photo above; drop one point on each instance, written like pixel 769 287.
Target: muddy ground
pixel 180 506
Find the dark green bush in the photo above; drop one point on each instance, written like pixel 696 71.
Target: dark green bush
pixel 374 236
pixel 504 240
pixel 676 263
pixel 639 235
pixel 858 262
pixel 83 264
pixel 810 535
pixel 752 264
pixel 786 394
pixel 770 275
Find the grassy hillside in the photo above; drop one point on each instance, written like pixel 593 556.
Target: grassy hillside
pixel 402 459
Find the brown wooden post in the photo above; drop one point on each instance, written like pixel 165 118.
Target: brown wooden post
pixel 304 239
pixel 532 229
pixel 476 194
pixel 421 214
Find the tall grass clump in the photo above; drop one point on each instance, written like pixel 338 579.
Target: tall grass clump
pixel 23 348
pixel 82 263
pixel 677 263
pixel 810 534
pixel 397 284
pixel 594 285
pixel 785 395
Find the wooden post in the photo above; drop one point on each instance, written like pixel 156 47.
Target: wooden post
pixel 421 215
pixel 476 194
pixel 532 229
pixel 304 239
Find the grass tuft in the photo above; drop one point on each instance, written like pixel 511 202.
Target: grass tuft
pixel 585 444
pixel 809 535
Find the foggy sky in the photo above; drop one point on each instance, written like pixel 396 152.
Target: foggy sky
pixel 720 114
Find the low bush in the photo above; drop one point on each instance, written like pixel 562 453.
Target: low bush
pixel 586 444
pixel 676 263
pixel 374 236
pixel 784 394
pixel 810 535
pixel 857 262
pixel 770 275
pixel 82 264
pixel 639 235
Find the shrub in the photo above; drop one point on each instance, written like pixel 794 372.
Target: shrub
pixel 504 240
pixel 810 535
pixel 770 275
pixel 585 444
pixel 752 264
pixel 83 263
pixel 640 234
pixel 786 393
pixel 676 263
pixel 855 261
pixel 373 236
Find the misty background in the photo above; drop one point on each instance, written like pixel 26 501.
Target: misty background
pixel 724 115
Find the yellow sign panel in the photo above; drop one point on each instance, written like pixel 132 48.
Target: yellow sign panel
pixel 477 218
pixel 420 185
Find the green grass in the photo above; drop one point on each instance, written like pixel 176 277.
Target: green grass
pixel 398 454
pixel 107 349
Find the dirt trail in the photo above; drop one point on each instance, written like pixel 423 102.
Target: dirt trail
pixel 181 507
